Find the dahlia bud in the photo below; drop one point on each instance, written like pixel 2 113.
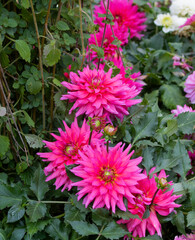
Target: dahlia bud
pixel 97 123
pixel 110 130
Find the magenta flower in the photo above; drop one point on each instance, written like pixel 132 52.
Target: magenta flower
pixel 111 52
pixel 190 87
pixel 96 93
pixel 64 151
pixel 157 200
pixel 126 16
pixel 190 22
pixel 181 62
pixel 181 109
pixel 108 177
pixel 185 237
pixel 192 158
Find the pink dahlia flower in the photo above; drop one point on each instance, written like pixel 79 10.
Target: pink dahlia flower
pixel 126 16
pixel 181 62
pixel 64 151
pixel 111 52
pixel 190 87
pixel 190 22
pixel 108 177
pixel 181 109
pixel 185 237
pixel 161 201
pixel 95 93
pixel 192 158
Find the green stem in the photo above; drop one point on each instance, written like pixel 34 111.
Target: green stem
pixel 59 216
pixel 101 230
pixel 52 202
pixel 107 146
pixel 90 137
pixel 40 61
pixel 154 197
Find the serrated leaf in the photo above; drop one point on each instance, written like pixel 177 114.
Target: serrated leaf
pixel 84 228
pixel 18 233
pixel 172 96
pixel 9 196
pixel 21 167
pixel 4 145
pixel 33 86
pixel 34 227
pixel 114 231
pixel 71 175
pixel 61 25
pixel 57 231
pixel 101 216
pixel 57 82
pixel 178 221
pixel 172 127
pixel 53 57
pixel 147 126
pixel 36 210
pixel 15 213
pixel 184 162
pixel 99 50
pixel 2 235
pixel 38 184
pixel 28 119
pixel 191 219
pixel 34 141
pixel 3 178
pixel 147 161
pixel 153 237
pixel 126 215
pixel 23 49
pixel 186 122
pixel 166 162
pixel 73 214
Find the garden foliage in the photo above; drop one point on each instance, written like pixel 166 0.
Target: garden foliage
pixel 43 45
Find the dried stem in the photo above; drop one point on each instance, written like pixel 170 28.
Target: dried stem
pixel 59 11
pixel 81 32
pixel 40 61
pixel 45 28
pixel 52 99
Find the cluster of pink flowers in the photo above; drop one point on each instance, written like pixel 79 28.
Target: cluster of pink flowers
pixel 181 62
pixel 185 237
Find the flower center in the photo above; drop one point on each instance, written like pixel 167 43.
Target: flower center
pixel 107 174
pixel 70 150
pixel 96 82
pixel 167 21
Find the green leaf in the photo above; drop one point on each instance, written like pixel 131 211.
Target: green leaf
pixel 34 141
pixel 126 215
pixel 114 231
pixel 34 227
pixel 36 210
pixel 192 195
pixel 28 119
pixel 84 228
pixel 18 233
pixel 12 23
pixel 172 127
pixel 71 175
pixel 3 178
pixel 4 145
pixel 9 196
pixel 23 49
pixel 153 237
pixel 178 220
pixel 147 161
pixel 184 162
pixel 99 50
pixel 53 57
pixel 25 4
pixel 101 216
pixel 186 122
pixel 38 184
pixel 15 213
pixel 57 82
pixel 146 213
pixel 2 235
pixel 57 231
pixel 72 213
pixel 4 59
pixel 172 96
pixel 147 126
pixel 21 167
pixel 191 219
pixel 33 86
pixel 61 25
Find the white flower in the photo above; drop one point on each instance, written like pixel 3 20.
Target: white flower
pixel 168 22
pixel 182 8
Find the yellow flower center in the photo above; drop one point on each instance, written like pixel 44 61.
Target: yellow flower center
pixel 167 21
pixel 107 174
pixel 70 150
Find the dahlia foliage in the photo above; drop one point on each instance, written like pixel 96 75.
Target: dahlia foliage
pixel 102 93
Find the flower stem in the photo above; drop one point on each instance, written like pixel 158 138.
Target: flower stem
pixel 107 145
pixel 90 137
pixel 154 197
pixel 81 32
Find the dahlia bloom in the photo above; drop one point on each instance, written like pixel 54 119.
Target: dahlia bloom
pixel 190 87
pixel 108 177
pixel 169 22
pixel 95 93
pixel 64 151
pixel 192 158
pixel 181 109
pixel 157 200
pixel 190 22
pixel 126 16
pixel 181 62
pixel 185 237
pixel 111 52
pixel 182 8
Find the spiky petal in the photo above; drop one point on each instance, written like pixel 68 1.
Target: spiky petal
pixel 190 87
pixel 108 177
pixel 64 151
